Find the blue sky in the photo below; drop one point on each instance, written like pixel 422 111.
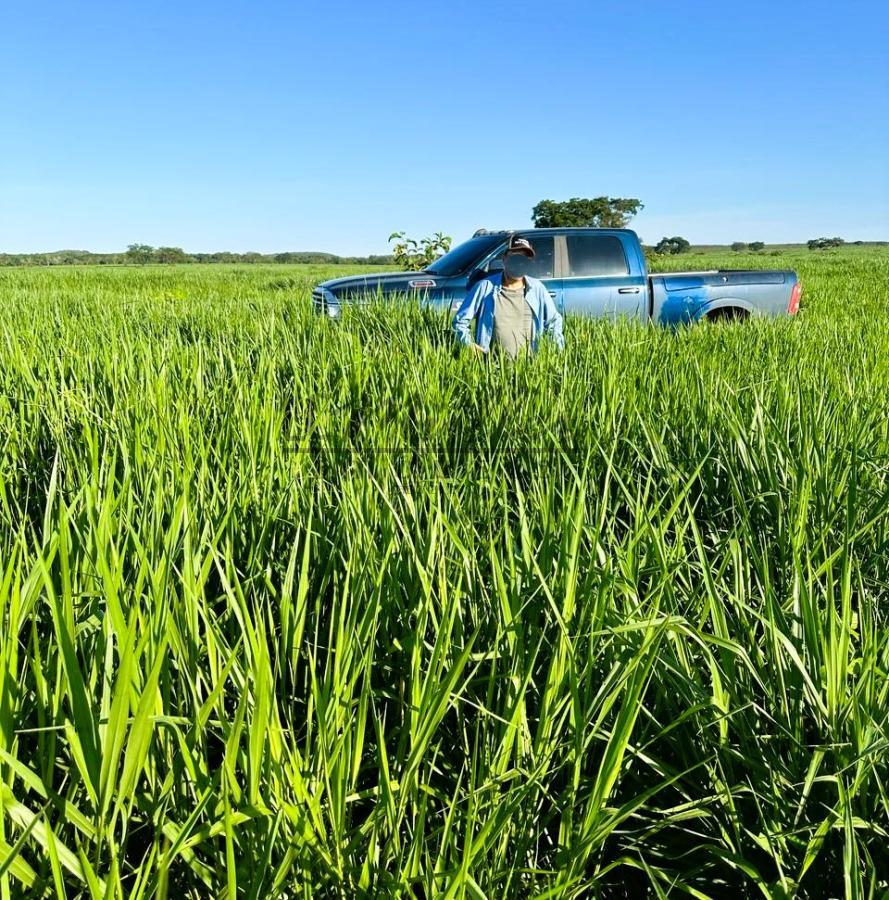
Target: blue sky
pixel 327 125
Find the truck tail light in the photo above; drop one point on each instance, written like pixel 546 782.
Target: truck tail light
pixel 795 294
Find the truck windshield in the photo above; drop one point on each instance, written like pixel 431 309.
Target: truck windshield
pixel 465 255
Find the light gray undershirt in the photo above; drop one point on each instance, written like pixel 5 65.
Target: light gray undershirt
pixel 512 320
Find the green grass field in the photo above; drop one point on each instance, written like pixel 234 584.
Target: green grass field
pixel 293 608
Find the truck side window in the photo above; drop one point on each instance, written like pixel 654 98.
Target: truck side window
pixel 595 255
pixel 543 264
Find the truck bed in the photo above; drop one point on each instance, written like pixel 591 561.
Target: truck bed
pixel 677 297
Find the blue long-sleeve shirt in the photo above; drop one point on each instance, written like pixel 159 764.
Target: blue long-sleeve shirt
pixel 479 305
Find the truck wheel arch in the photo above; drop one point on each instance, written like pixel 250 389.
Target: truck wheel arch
pixel 728 309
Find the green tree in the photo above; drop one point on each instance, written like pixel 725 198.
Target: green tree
pixel 140 253
pixel 170 255
pixel 672 246
pixel 598 212
pixel 825 243
pixel 739 246
pixel 414 256
pixel 756 246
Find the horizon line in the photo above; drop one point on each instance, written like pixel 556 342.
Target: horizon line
pixel 7 253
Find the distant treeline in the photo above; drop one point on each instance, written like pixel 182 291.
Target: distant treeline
pixel 142 254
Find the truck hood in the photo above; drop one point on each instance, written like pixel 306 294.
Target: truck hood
pixel 385 282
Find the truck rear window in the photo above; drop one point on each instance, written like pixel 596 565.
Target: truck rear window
pixel 595 254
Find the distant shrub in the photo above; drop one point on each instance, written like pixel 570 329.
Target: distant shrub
pixel 825 243
pixel 672 246
pixel 651 258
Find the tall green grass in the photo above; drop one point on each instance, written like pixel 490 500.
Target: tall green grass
pixel 299 608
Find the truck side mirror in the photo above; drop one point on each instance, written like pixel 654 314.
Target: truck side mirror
pixel 495 265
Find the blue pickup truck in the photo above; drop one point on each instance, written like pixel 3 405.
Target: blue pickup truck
pixel 590 271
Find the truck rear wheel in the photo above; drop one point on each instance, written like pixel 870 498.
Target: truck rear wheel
pixel 728 314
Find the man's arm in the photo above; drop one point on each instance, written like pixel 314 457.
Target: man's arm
pixel 466 313
pixel 552 325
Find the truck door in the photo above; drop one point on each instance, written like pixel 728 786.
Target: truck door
pixel 597 278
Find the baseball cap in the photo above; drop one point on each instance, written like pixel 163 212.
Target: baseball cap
pixel 519 244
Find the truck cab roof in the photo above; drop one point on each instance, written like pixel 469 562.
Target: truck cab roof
pixel 559 230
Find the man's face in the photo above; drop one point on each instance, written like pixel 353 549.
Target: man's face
pixel 516 265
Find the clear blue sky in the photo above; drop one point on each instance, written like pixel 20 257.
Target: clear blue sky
pixel 327 125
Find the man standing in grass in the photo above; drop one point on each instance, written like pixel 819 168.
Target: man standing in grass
pixel 512 310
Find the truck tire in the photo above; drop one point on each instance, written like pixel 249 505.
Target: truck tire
pixel 728 314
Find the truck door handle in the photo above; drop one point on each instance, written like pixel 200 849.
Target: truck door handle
pixel 630 290
pixel 552 294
